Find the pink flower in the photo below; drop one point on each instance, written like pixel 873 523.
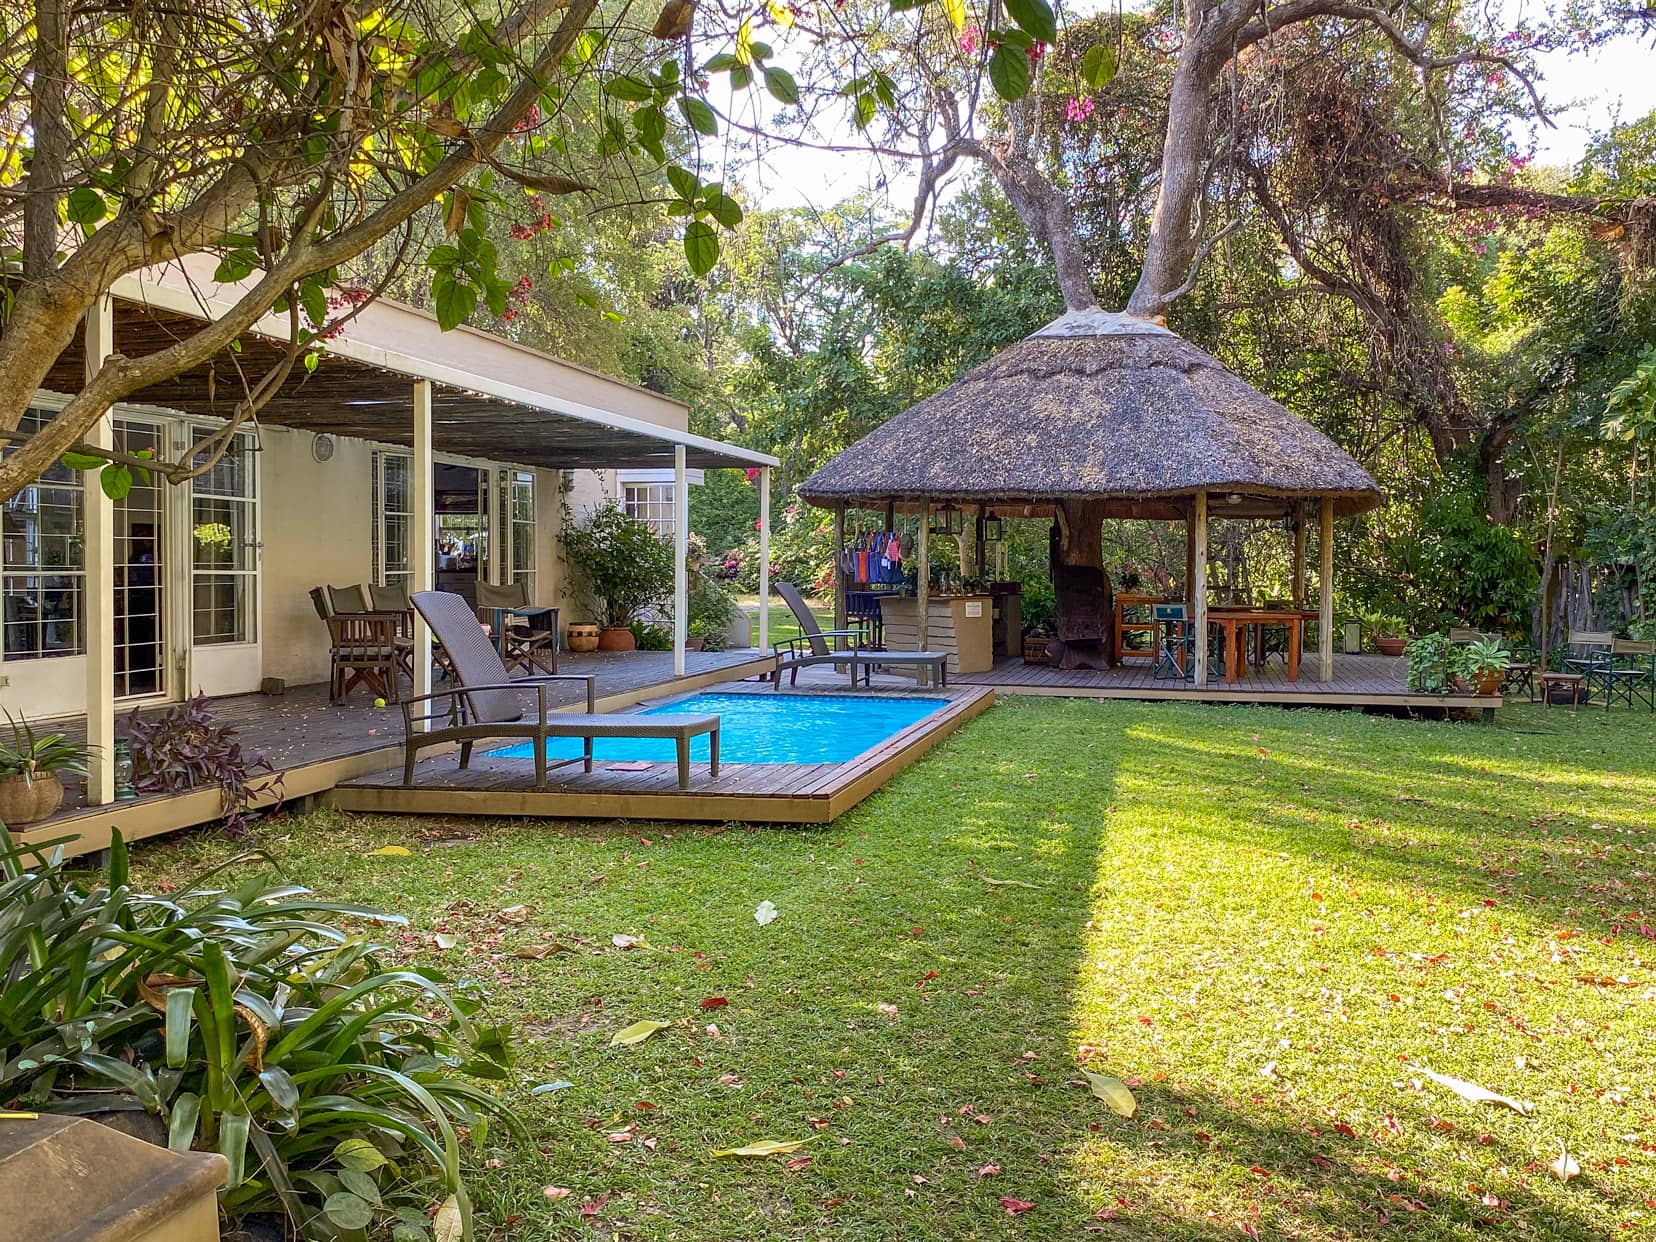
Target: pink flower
pixel 1036 51
pixel 752 473
pixel 969 38
pixel 1080 108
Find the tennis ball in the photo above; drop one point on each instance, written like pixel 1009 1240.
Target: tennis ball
pixel 379 702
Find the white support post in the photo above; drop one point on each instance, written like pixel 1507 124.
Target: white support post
pixel 1198 588
pixel 422 560
pixel 99 533
pixel 764 558
pixel 681 553
pixel 922 581
pixel 1325 592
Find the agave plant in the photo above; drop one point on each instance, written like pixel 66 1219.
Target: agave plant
pixel 251 1023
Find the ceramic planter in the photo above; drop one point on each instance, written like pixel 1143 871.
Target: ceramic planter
pixel 1488 682
pixel 1390 646
pixel 616 638
pixel 581 637
pixel 24 802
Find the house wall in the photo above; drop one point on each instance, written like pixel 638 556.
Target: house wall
pixel 317 532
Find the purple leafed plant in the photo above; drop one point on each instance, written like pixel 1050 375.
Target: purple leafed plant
pixel 187 747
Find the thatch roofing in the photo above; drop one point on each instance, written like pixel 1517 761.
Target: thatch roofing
pixel 1096 405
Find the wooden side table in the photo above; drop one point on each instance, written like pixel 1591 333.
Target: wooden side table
pixel 1572 680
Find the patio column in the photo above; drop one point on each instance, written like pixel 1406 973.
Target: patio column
pixel 839 567
pixel 99 552
pixel 1198 586
pixel 1298 581
pixel 922 582
pixel 422 556
pixel 1325 592
pixel 681 553
pixel 764 558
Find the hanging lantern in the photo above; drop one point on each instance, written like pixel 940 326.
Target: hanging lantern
pixel 947 520
pixel 992 530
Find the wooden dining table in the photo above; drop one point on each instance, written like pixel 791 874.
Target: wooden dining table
pixel 1235 622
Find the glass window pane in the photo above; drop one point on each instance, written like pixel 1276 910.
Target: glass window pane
pixel 40 529
pixel 222 608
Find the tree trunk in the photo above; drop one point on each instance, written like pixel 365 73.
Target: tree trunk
pixel 1085 600
pixel 1172 241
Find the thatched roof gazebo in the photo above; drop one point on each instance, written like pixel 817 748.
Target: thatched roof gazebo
pixel 1102 415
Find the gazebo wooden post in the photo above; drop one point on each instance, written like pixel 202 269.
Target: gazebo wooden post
pixel 1198 587
pixel 1190 547
pixel 922 581
pixel 1298 583
pixel 839 567
pixel 1325 592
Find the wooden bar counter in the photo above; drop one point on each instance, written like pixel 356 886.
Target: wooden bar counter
pixel 959 626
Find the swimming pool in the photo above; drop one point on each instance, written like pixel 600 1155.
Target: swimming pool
pixel 764 728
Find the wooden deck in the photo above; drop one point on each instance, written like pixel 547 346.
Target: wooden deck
pixel 1359 681
pixel 316 744
pixel 746 792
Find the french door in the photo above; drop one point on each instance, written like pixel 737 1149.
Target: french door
pixel 145 666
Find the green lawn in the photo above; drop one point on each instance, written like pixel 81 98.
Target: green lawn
pixel 1267 921
pixel 783 624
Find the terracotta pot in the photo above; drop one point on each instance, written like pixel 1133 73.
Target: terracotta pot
pixel 1390 646
pixel 695 644
pixel 1488 682
pixel 24 803
pixel 581 637
pixel 616 638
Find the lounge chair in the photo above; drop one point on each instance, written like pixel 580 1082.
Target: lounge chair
pixel 813 647
pixel 486 703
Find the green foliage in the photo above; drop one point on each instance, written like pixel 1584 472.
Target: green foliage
pixel 801 550
pixel 711 606
pixel 624 566
pixel 247 1021
pixel 649 636
pixel 1435 664
pixel 30 754
pixel 1486 655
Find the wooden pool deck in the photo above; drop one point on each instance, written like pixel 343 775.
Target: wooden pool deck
pixel 1359 681
pixel 316 744
pixel 746 792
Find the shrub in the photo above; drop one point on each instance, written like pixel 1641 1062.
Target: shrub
pixel 1435 664
pixel 624 565
pixel 248 1022
pixel 187 747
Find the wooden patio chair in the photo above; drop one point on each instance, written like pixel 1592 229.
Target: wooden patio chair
pixel 816 645
pixel 364 651
pixel 347 599
pixel 394 599
pixel 486 703
pixel 1588 655
pixel 1630 674
pixel 527 634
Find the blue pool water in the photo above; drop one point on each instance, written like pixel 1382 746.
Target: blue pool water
pixel 764 728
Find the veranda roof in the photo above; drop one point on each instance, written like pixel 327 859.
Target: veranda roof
pixel 1097 405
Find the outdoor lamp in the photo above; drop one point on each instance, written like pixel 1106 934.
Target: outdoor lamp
pixel 948 520
pixel 991 530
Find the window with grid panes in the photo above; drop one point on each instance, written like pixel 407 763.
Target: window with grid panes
pixel 43 561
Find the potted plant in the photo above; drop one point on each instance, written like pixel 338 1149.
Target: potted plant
pixel 627 569
pixel 1390 634
pixel 30 788
pixel 1486 662
pixel 1436 665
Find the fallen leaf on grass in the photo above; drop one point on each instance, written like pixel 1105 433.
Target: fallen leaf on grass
pixel 389 851
pixel 629 942
pixel 638 1032
pixel 766 914
pixel 1113 1092
pixel 1565 1167
pixel 533 952
pixel 445 940
pixel 765 1147
pixel 513 914
pixel 991 880
pixel 714 1002
pixel 1014 1206
pixel 449 1225
pixel 556 1192
pixel 547 1087
pixel 1478 1095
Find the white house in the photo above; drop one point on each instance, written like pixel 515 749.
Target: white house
pixel 409 455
